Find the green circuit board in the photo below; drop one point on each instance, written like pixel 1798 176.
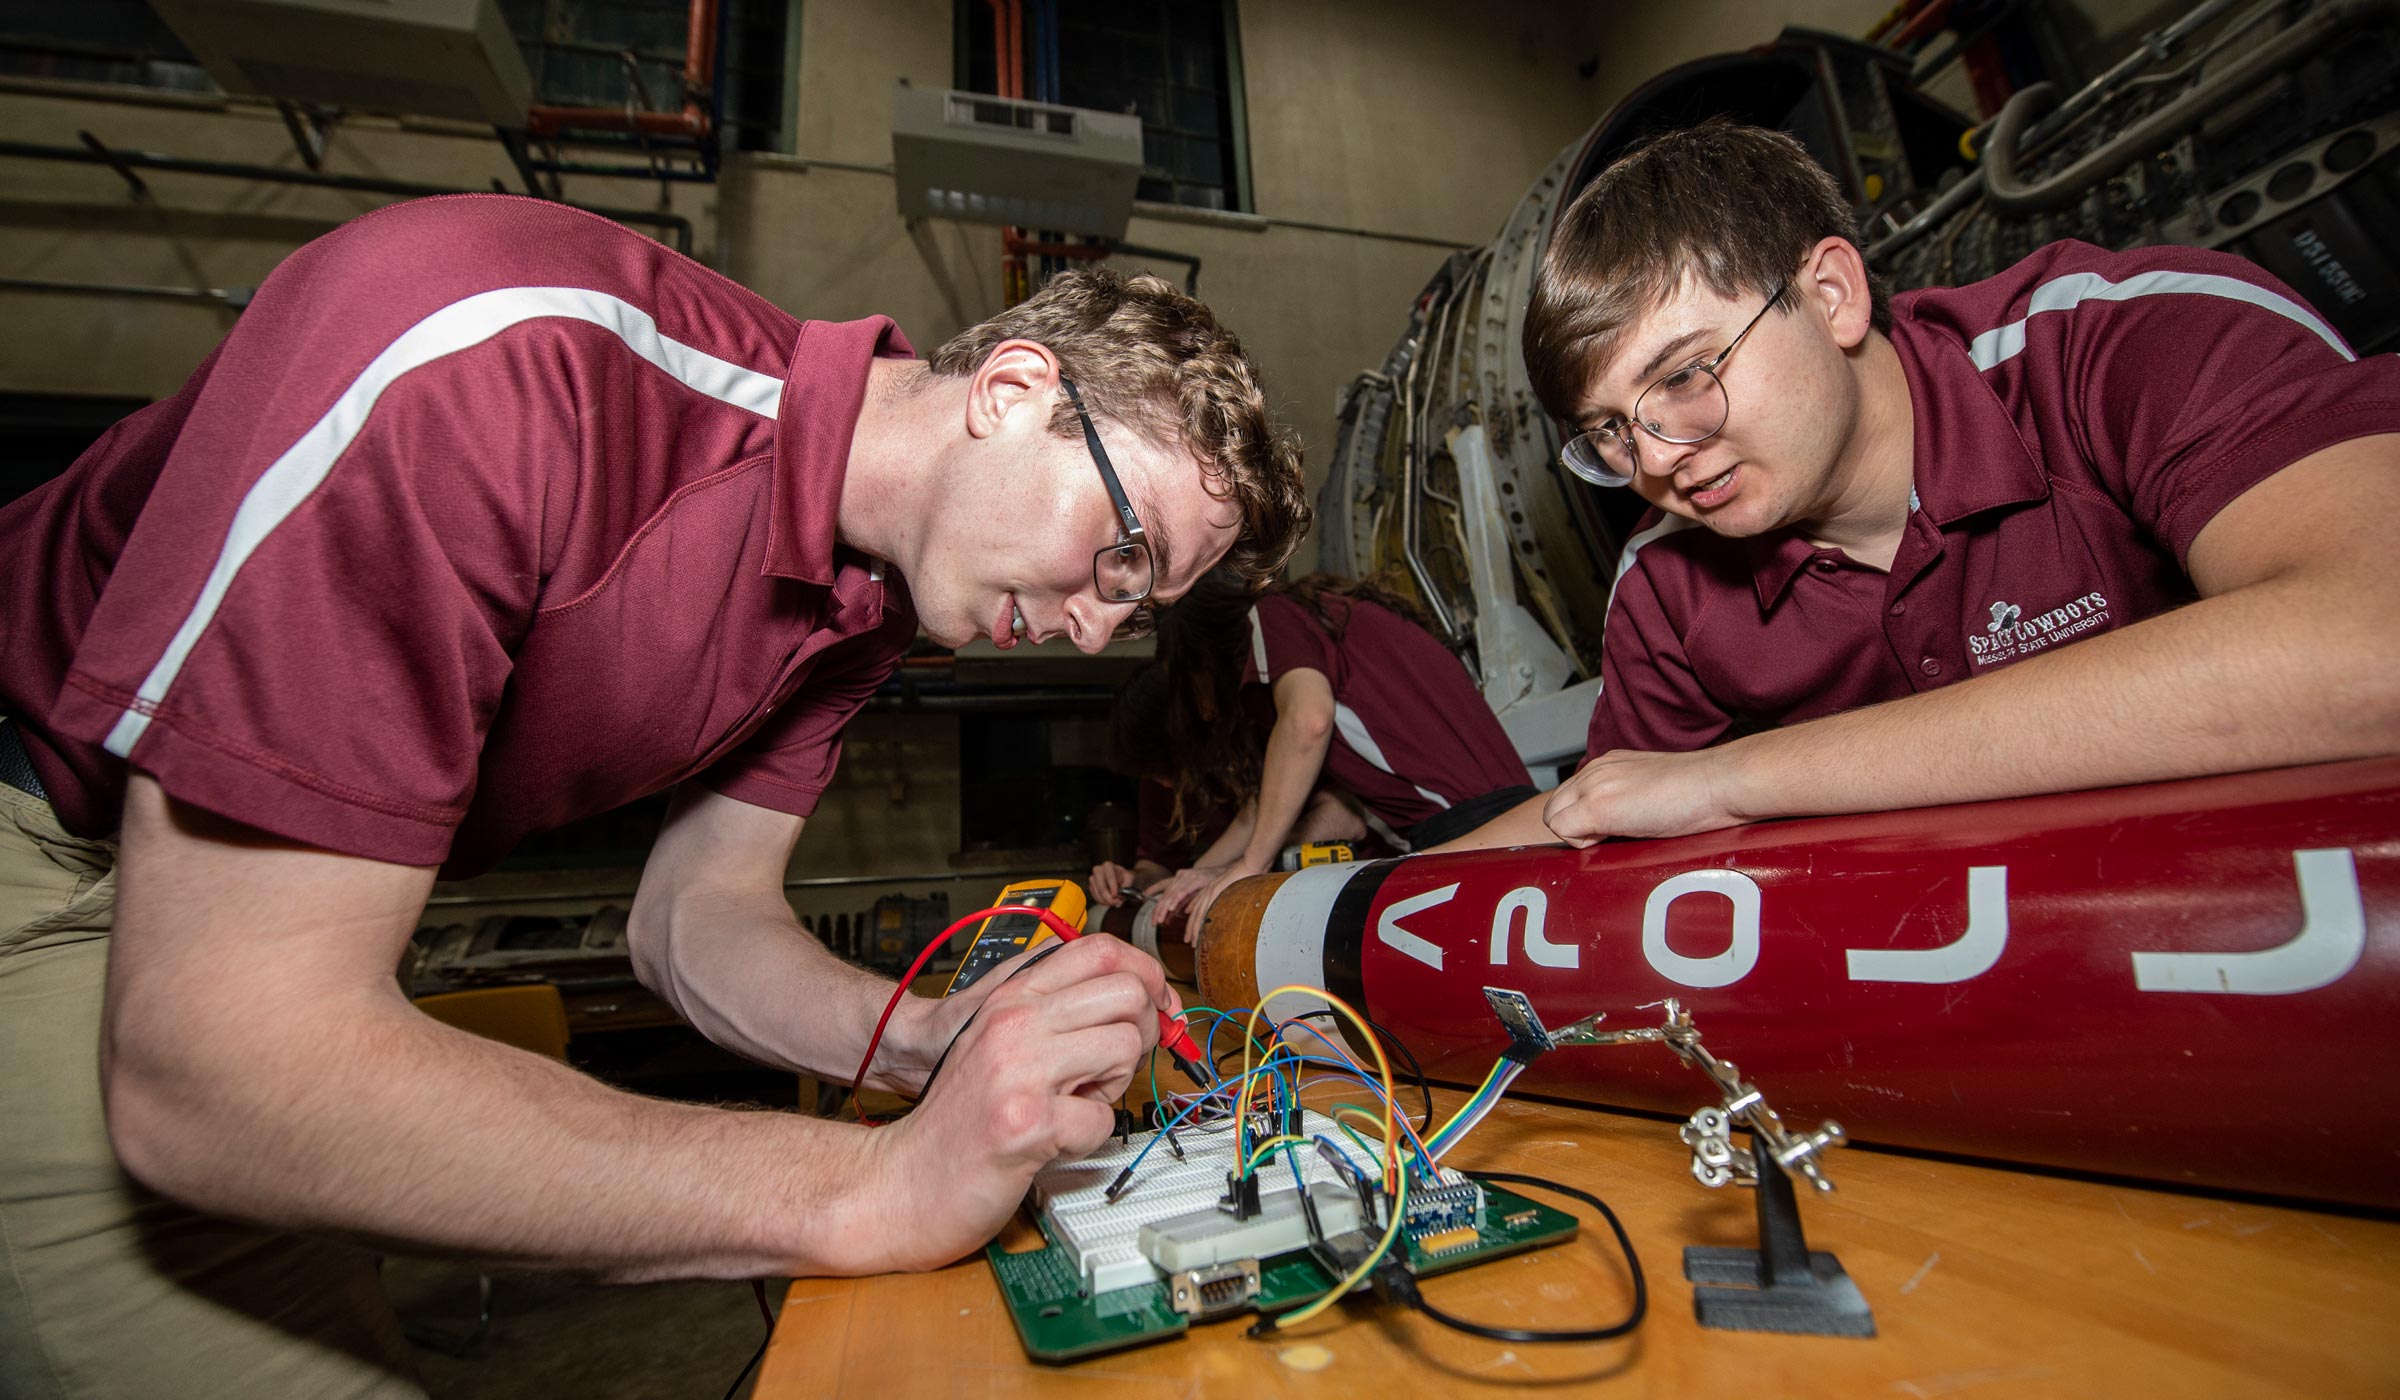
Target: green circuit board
pixel 1058 1321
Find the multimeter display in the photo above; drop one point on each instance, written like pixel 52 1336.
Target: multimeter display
pixel 1003 936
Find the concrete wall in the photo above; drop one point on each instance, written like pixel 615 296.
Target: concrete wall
pixel 893 804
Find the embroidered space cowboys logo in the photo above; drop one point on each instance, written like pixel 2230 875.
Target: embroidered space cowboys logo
pixel 2010 634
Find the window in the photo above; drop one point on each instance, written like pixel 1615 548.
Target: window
pixel 98 41
pixel 1174 63
pixel 580 53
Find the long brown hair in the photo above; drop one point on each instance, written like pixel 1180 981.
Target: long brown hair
pixel 1217 753
pixel 1381 589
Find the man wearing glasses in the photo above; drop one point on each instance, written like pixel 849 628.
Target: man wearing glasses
pixel 2143 501
pixel 489 515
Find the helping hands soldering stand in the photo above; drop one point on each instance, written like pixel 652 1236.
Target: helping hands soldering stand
pixel 1781 1286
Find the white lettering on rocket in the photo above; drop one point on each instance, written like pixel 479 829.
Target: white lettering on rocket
pixel 1969 956
pixel 2329 945
pixel 1741 950
pixel 1538 948
pixel 2332 937
pixel 1400 940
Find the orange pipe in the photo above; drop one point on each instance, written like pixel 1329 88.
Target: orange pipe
pixel 1005 28
pixel 1008 75
pixel 1893 18
pixel 1923 23
pixel 1016 48
pixel 700 49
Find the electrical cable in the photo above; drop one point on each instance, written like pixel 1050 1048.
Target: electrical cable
pixel 1049 920
pixel 1220 1018
pixel 944 1058
pixel 1443 1136
pixel 1221 1090
pixel 1344 1152
pixel 758 1288
pixel 1404 1285
pixel 1391 1137
pixel 1486 1098
pixel 1416 1070
pixel 1172 1032
pixel 1391 1232
pixel 1395 1180
pixel 747 1369
pixel 1360 1072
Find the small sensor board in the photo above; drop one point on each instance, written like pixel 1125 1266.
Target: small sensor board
pixel 1454 1202
pixel 1528 1039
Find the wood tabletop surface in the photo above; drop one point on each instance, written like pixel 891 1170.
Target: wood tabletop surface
pixel 1987 1283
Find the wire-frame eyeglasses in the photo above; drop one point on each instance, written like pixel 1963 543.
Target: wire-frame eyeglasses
pixel 1682 406
pixel 1122 572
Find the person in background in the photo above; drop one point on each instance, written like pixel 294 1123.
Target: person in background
pixel 1352 689
pixel 1164 844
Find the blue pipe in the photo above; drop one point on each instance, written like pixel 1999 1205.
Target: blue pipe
pixel 1057 84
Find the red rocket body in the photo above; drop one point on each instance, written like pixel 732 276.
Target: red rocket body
pixel 2194 982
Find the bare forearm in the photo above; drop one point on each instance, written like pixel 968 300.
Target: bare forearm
pixel 1295 756
pixel 1229 843
pixel 1521 825
pixel 743 971
pixel 360 1116
pixel 2275 674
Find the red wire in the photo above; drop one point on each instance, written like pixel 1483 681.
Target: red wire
pixel 1050 920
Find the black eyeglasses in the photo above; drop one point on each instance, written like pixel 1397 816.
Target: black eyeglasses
pixel 1122 571
pixel 1683 407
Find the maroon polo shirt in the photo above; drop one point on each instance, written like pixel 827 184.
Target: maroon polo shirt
pixel 2079 419
pixel 1412 734
pixel 488 515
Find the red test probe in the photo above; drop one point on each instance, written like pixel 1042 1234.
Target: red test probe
pixel 1173 1035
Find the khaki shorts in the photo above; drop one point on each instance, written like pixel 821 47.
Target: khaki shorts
pixel 105 1288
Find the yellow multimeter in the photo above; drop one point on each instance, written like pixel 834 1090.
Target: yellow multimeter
pixel 1003 936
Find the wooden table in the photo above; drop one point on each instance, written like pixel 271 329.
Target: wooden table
pixel 1986 1283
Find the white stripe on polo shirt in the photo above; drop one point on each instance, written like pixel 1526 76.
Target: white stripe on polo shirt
pixel 1354 733
pixel 1345 720
pixel 1667 525
pixel 459 326
pixel 1998 346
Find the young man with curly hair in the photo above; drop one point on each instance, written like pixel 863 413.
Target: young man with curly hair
pixel 489 515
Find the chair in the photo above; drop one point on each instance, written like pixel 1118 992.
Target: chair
pixel 531 1018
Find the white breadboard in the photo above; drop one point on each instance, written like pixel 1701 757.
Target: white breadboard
pixel 1105 1238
